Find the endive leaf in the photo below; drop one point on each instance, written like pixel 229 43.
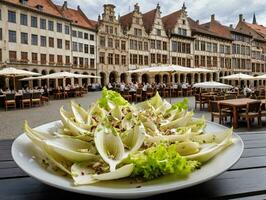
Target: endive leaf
pixel 79 113
pixel 82 173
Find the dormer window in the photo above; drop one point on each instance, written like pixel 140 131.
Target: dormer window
pixel 24 2
pixel 39 7
pixel 184 22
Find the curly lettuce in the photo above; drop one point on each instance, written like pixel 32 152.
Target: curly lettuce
pixel 160 160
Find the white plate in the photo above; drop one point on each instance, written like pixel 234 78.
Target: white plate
pixel 22 154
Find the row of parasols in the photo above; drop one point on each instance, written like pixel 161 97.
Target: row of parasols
pixel 13 73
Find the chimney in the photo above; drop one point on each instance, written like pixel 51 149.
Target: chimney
pixel 197 22
pixel 212 17
pixel 231 26
pixel 241 17
pixel 136 7
pixel 65 4
pixel 78 8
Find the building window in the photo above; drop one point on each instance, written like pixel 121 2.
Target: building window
pixel 67 45
pixel 34 22
pixel 24 38
pixel 43 59
pixel 117 44
pixel 91 37
pixel 24 57
pixel 80 47
pixel 86 48
pixel 165 46
pixel 11 16
pixel 174 46
pixel 102 41
pixel 80 34
pixel 123 45
pixel 135 59
pixel 209 61
pixel 67 60
pixel 12 35
pixel 24 19
pixel 60 59
pixel 75 61
pixel 140 59
pixel 92 51
pixel 67 29
pixel 146 60
pixel 92 63
pixel 158 44
pixel 42 23
pixel 202 61
pixel 158 32
pixel 221 48
pixel 140 45
pixel 1 34
pixel 74 33
pixel 183 62
pixel 202 46
pixel 59 43
pixel 188 63
pixel 110 58
pixel 159 59
pixel 196 61
pixel 59 27
pixel 75 46
pixel 43 41
pixel 196 45
pixel 153 58
pixel 102 58
pixel 50 25
pixel 51 42
pixel 214 61
pixel 146 46
pixel 173 60
pixel 86 36
pixel 152 44
pixel 123 60
pixel 117 57
pixel 110 42
pixel 214 48
pixel 209 47
pixel 34 39
pixel 51 59
pixel 1 19
pixel 34 58
pixel 164 59
pixel 188 48
pixel 12 56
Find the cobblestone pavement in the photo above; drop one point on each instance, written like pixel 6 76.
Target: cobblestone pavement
pixel 11 122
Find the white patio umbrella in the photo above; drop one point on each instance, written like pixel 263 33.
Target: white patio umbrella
pixel 212 85
pixel 13 72
pixel 238 76
pixel 170 70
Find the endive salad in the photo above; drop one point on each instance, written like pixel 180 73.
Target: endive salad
pixel 114 139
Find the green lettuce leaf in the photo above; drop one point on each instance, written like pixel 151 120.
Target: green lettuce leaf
pixel 181 105
pixel 110 96
pixel 159 161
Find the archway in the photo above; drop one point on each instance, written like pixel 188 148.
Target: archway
pixel 103 78
pixel 113 77
pixel 189 78
pixel 165 78
pixel 145 78
pixel 176 78
pixel 182 78
pixel 134 78
pixel 196 78
pixel 157 78
pixel 123 77
pixel 201 77
pixel 208 76
pixel 214 76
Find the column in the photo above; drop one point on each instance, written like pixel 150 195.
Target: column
pixel 72 81
pixel 185 78
pixel 56 83
pixel 80 81
pixel 204 77
pixel 39 83
pixel 7 82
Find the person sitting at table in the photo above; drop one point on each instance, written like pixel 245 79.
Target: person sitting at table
pixel 122 87
pixel 184 85
pixel 247 91
pixel 110 86
pixel 145 87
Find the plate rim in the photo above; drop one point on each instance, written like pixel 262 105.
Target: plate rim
pixel 141 193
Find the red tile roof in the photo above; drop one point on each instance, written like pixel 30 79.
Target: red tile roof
pixel 260 29
pixel 78 17
pixel 170 20
pixel 217 28
pixel 148 20
pixel 126 20
pixel 48 6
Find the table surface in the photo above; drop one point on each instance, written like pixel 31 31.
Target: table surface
pixel 245 180
pixel 237 102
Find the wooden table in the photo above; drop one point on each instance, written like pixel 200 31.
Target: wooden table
pixel 235 105
pixel 245 180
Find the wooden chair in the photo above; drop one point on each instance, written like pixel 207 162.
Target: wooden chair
pixel 64 94
pixel 127 95
pixel 149 93
pixel 10 101
pixel 36 99
pixel 57 94
pixel 230 97
pixel 164 92
pixel 138 95
pixel 26 100
pixel 253 110
pixel 216 111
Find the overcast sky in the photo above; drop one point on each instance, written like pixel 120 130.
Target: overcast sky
pixel 226 11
